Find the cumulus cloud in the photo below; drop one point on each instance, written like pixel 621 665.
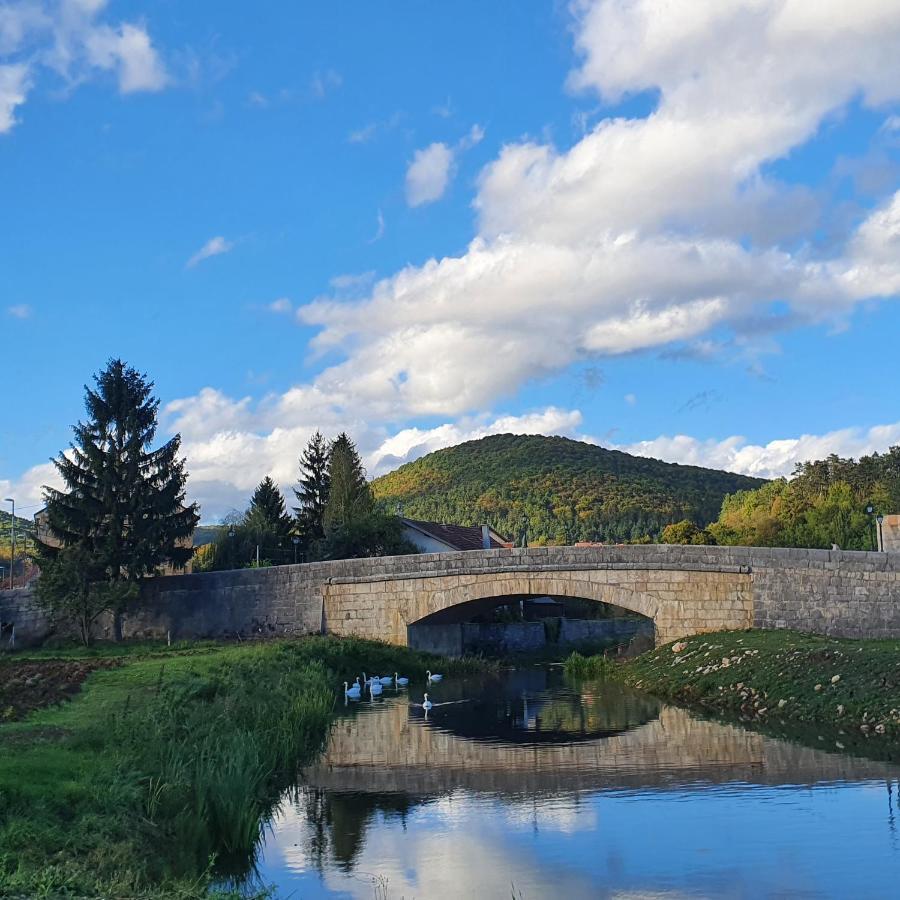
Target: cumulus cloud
pixel 637 236
pixel 771 460
pixel 70 38
pixel 215 246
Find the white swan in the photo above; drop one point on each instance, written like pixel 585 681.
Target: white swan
pixel 375 688
pixel 368 681
pixel 400 681
pixel 386 679
pixel 352 691
pixel 427 704
pixel 434 677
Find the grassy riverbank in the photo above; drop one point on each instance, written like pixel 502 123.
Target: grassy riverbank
pixel 167 760
pixel 777 679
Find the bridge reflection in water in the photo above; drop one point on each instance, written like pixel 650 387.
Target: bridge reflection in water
pixel 528 744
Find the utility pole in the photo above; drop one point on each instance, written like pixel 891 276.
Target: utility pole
pixel 12 554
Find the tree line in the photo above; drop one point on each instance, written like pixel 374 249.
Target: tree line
pixel 825 502
pixel 336 516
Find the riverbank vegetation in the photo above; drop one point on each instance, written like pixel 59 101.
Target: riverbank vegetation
pixel 849 688
pixel 157 778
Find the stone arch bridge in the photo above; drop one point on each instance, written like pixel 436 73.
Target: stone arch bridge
pixel 683 589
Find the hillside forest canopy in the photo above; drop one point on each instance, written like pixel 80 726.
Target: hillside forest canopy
pixel 558 490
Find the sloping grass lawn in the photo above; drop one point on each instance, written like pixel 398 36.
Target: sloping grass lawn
pixel 778 679
pixel 159 774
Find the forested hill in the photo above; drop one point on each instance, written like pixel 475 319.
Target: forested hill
pixel 568 490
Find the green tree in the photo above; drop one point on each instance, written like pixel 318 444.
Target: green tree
pixel 123 508
pixel 682 532
pixel 349 497
pixel 70 588
pixel 375 534
pixel 312 490
pixel 267 522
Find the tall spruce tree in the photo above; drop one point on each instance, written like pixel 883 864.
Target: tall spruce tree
pixel 349 497
pixel 312 490
pixel 123 508
pixel 267 521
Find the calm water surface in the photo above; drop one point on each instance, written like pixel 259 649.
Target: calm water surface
pixel 536 787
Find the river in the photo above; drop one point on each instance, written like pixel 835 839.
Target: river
pixel 529 785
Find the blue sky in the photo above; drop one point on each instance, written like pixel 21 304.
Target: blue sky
pixel 672 228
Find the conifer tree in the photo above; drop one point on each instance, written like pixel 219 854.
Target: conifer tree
pixel 267 506
pixel 123 507
pixel 312 489
pixel 349 497
pixel 267 521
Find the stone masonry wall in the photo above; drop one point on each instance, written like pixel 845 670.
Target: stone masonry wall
pixel 685 590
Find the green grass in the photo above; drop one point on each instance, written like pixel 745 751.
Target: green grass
pixel 795 684
pixel 159 775
pixel 599 666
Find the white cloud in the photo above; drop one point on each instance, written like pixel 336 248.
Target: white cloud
pixel 771 460
pixel 428 174
pixel 647 231
pixel 14 84
pixel 128 51
pixel 28 489
pixel 433 167
pixel 19 311
pixel 69 38
pixel 215 246
pixel 630 399
pixel 281 305
pixel 473 138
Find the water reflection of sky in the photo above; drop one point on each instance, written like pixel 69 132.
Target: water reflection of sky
pixel 834 839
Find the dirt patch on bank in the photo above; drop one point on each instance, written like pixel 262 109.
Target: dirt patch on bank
pixel 33 684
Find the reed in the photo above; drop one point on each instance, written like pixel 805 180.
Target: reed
pixel 600 666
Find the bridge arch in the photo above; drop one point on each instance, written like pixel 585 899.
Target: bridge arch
pixel 679 600
pixel 496 587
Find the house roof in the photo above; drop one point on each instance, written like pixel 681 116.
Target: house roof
pixel 459 537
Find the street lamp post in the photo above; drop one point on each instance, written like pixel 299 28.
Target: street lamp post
pixel 12 552
pixel 880 519
pixel 231 544
pixel 870 511
pixel 296 542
